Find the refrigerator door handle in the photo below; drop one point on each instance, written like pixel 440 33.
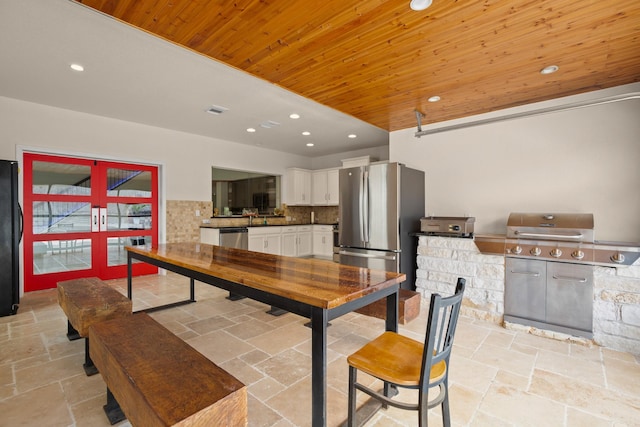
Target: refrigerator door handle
pixel 21 223
pixel 365 209
pixel 361 203
pixel 361 255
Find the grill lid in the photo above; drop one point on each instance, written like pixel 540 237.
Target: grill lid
pixel 551 226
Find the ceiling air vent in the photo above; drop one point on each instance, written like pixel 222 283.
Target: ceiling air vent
pixel 216 110
pixel 269 124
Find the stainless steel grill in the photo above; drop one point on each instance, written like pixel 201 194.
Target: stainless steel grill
pixel 566 238
pixel 549 272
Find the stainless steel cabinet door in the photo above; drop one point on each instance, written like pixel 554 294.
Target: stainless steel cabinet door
pixel 570 295
pixel 525 289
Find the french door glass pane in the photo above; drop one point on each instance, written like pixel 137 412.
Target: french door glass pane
pixel 117 255
pixel 129 216
pixel 61 217
pixel 53 256
pixel 61 178
pixel 128 183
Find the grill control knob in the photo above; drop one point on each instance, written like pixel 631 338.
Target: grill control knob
pixel 556 253
pixel 535 251
pixel 516 250
pixel 577 254
pixel 617 258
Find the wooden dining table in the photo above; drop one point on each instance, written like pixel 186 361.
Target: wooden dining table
pixel 319 290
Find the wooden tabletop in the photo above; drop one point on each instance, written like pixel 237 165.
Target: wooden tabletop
pixel 319 283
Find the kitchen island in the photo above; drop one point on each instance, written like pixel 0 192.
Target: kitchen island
pixel 315 289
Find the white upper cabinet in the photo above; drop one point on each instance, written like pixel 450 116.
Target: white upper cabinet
pixel 298 187
pixel 325 187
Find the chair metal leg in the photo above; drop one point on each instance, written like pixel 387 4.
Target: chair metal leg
pixel 351 417
pixel 446 417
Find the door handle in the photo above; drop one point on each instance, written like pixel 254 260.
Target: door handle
pixel 359 255
pixel 103 219
pixel 95 222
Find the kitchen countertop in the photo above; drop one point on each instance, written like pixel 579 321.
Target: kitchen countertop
pixel 261 225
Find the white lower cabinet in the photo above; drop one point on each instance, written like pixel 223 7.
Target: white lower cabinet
pixel 265 239
pixel 210 236
pixel 296 240
pixel 323 240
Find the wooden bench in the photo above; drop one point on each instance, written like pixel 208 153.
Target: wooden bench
pixel 88 301
pixel 156 379
pixel 408 307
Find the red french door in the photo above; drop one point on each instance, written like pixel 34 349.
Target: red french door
pixel 80 214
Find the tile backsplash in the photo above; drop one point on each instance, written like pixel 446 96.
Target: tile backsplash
pixel 184 226
pixel 182 223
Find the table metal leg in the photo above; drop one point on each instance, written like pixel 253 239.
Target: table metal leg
pixel 319 320
pixel 193 290
pixel 129 275
pixel 390 390
pixel 392 312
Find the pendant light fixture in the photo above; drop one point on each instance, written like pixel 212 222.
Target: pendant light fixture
pixel 420 4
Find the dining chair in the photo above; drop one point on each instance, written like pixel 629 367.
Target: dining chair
pixel 400 361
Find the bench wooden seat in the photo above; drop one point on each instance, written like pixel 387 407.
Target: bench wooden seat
pixel 157 379
pixel 87 301
pixel 408 307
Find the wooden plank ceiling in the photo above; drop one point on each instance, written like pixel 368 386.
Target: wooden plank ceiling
pixel 378 60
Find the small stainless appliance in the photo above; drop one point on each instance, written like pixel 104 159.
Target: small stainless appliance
pixel 449 226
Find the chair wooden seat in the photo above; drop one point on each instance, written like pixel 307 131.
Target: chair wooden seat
pixel 400 361
pixel 395 358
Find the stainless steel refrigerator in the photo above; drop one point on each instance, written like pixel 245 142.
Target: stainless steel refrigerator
pixel 380 208
pixel 10 235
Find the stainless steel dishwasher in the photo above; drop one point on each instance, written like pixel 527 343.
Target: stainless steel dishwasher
pixel 234 237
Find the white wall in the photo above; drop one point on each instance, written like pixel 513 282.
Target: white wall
pixel 335 160
pixel 186 158
pixel 582 160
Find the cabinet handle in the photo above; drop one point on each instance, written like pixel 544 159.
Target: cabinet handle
pixel 527 273
pixel 573 279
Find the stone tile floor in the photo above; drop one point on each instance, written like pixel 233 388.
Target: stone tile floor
pixel 498 377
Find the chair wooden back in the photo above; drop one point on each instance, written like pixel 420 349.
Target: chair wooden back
pixel 441 327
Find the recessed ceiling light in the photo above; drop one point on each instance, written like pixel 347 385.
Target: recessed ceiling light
pixel 251 130
pixel 419 4
pixel 309 144
pixel 76 67
pixel 434 98
pixel 294 116
pixel 306 133
pixel 550 69
pixel 352 135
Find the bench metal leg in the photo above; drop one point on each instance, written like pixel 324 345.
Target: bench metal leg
pixel 89 367
pixel 72 334
pixel 113 410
